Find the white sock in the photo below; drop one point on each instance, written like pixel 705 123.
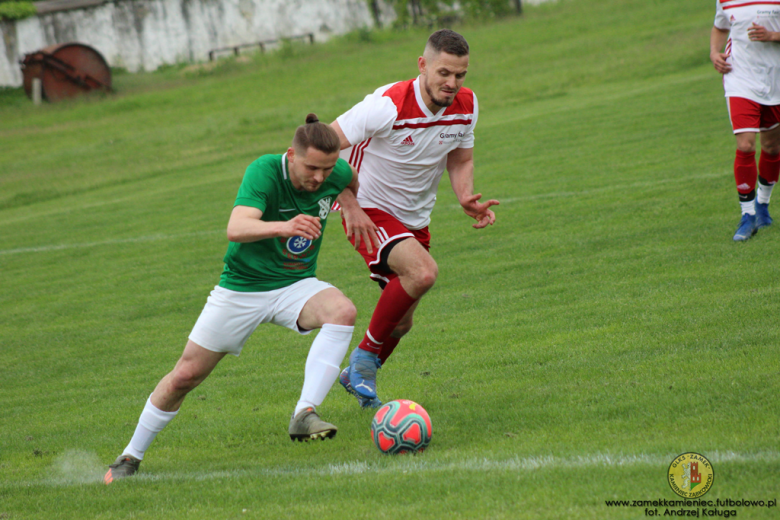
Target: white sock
pixel 763 193
pixel 748 207
pixel 151 422
pixel 323 364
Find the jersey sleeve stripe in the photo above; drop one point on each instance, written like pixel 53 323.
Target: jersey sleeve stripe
pixel 355 155
pixel 352 155
pixel 360 160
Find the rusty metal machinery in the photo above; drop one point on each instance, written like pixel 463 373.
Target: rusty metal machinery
pixel 65 71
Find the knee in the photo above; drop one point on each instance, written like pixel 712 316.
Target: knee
pixel 343 313
pixel 425 278
pixel 184 379
pixel 402 329
pixel 771 149
pixel 746 147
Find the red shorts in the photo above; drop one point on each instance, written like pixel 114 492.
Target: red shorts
pixel 749 116
pixel 390 230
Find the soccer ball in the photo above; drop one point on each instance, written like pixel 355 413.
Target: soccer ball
pixel 401 426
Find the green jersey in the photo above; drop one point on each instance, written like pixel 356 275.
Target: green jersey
pixel 273 263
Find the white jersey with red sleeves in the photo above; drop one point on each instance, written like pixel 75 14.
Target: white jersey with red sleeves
pixel 400 147
pixel 755 73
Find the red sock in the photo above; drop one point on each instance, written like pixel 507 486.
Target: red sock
pixel 769 167
pixel 387 348
pixel 745 172
pixel 389 311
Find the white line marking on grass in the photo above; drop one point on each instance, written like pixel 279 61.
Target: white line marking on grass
pixel 147 238
pixel 411 465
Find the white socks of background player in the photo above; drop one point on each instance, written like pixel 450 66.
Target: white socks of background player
pixel 763 193
pixel 322 366
pixel 151 422
pixel 749 207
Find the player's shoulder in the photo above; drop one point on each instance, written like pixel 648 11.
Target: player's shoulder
pixel 265 167
pixel 267 162
pixel 403 97
pixel 465 102
pixel 388 99
pixel 398 90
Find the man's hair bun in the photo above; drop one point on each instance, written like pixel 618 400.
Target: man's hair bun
pixel 317 135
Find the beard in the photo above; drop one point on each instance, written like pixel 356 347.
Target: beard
pixel 437 101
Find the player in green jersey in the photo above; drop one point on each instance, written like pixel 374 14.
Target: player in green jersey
pixel 275 231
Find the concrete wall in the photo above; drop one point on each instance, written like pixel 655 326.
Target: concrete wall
pixel 144 34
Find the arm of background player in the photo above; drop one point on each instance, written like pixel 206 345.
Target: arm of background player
pixel 460 165
pixel 245 226
pixel 358 223
pixel 718 39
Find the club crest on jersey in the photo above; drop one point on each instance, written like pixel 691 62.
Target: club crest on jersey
pixel 325 207
pixel 298 245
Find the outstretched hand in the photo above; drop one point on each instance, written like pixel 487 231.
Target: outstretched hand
pixel 479 211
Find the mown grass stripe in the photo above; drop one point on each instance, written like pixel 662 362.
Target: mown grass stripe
pixel 147 238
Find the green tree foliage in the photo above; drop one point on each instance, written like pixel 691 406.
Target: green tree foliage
pixel 10 10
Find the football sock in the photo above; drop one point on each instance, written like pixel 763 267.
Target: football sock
pixel 745 173
pixel 322 366
pixel 769 172
pixel 387 348
pixel 390 309
pixel 748 206
pixel 151 422
pixel 764 191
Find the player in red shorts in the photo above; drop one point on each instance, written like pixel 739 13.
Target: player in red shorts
pixel 750 64
pixel 400 139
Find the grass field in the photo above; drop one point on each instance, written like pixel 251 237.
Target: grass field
pixel 605 324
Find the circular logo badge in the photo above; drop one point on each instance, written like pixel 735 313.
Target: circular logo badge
pixel 297 245
pixel 691 475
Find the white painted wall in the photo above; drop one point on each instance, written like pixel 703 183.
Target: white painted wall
pixel 144 34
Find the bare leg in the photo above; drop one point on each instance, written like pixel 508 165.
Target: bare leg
pixel 415 267
pixel 194 365
pixel 328 306
pixel 162 406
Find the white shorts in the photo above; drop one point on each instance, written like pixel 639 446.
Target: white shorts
pixel 230 317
